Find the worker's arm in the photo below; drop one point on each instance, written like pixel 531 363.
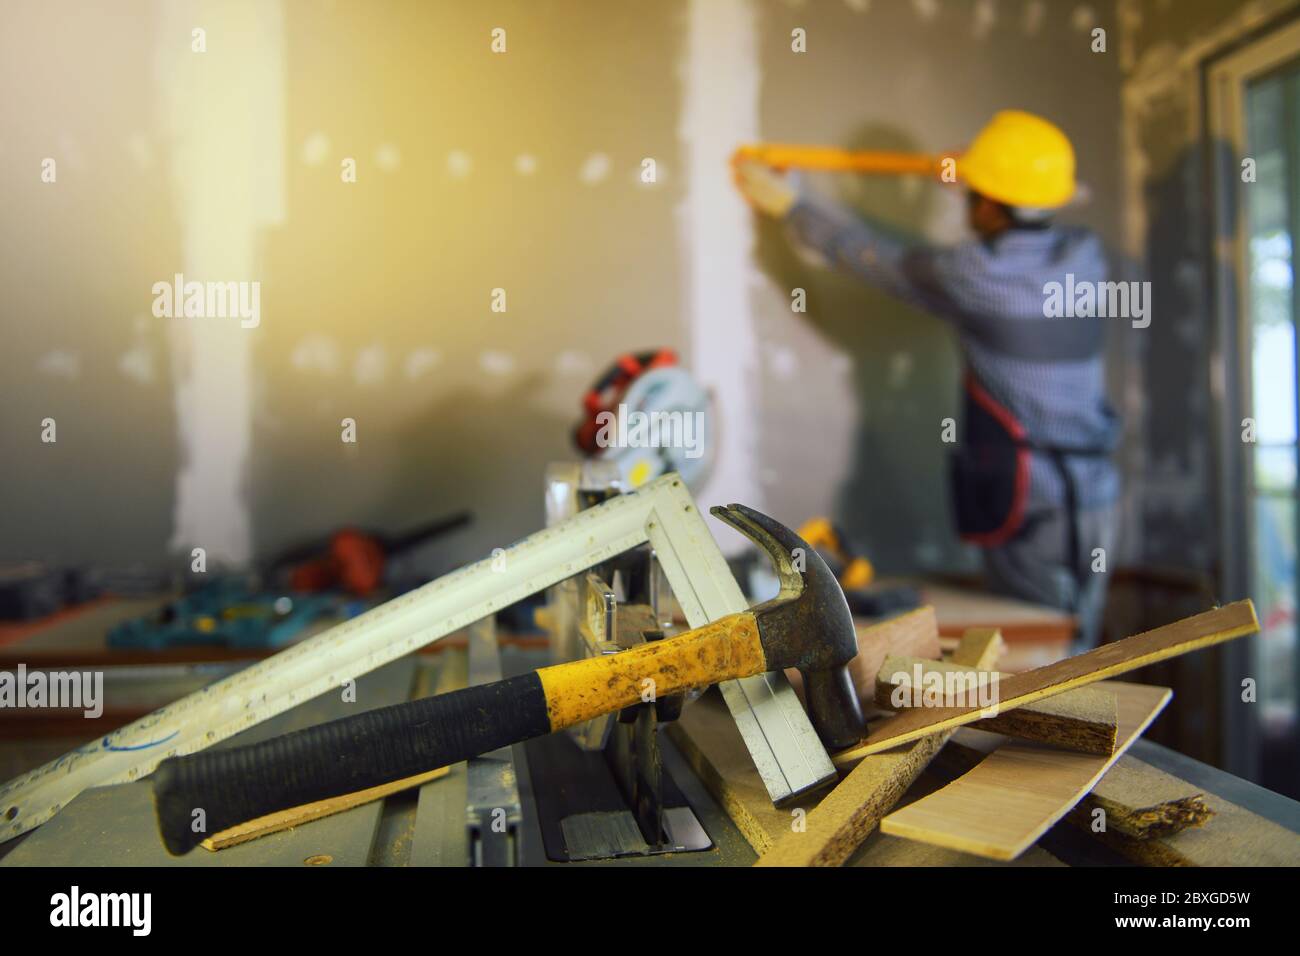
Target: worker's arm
pixel 906 270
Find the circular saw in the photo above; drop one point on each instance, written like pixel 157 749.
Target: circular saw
pixel 649 416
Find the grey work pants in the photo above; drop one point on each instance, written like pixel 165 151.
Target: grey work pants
pixel 1034 566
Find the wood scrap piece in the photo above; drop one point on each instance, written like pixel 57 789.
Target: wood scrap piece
pixel 296 816
pixel 837 826
pixel 1202 630
pixel 880 849
pixel 1233 837
pixel 1140 801
pixel 1143 802
pixel 1014 795
pixel 1083 720
pixel 711 741
pixel 915 634
pixel 707 736
pixel 712 745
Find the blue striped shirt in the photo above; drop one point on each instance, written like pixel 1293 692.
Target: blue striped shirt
pixel 1058 402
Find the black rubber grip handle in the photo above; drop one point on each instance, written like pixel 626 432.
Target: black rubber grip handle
pixel 236 784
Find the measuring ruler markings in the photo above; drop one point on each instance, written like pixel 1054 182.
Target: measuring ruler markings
pixel 780 738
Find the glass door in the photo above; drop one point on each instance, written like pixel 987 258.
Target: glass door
pixel 1254 123
pixel 1272 122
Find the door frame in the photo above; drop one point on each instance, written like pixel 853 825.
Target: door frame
pixel 1225 79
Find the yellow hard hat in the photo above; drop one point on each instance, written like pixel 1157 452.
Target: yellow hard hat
pixel 1022 160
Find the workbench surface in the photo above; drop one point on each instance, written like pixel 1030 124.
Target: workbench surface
pixel 114 826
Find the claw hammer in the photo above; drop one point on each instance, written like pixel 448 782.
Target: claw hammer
pixel 806 626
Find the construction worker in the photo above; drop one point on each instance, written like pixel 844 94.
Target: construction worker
pixel 1032 480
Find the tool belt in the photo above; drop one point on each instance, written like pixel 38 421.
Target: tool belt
pixel 990 475
pixel 990 470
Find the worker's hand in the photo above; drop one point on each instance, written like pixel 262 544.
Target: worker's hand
pixel 765 189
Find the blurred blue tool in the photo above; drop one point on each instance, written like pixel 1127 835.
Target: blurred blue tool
pixel 230 613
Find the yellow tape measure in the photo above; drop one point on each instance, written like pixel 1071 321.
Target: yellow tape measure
pixel 836 160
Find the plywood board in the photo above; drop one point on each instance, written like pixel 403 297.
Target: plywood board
pixel 880 849
pixel 1083 719
pixel 711 744
pixel 1139 800
pixel 1202 630
pixel 1145 803
pixel 1232 837
pixel 1012 797
pixel 837 826
pixel 1152 818
pixel 708 738
pixel 914 633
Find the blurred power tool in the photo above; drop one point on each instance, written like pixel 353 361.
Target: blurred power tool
pixel 229 612
pixel 649 416
pixel 855 573
pixel 33 589
pixel 354 560
pixel 30 589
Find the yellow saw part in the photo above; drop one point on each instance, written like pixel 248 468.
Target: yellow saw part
pixel 820 533
pixel 859 573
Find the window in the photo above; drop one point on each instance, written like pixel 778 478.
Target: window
pixel 1254 129
pixel 1269 310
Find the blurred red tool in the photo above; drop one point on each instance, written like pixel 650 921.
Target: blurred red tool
pixel 354 560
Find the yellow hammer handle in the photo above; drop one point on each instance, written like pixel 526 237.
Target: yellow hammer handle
pixel 726 649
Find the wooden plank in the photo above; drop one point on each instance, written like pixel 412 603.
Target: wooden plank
pixel 1011 798
pixel 711 744
pixel 1142 802
pixel 1235 837
pixel 1139 800
pixel 1203 630
pixel 1225 835
pixel 714 749
pixel 714 744
pixel 962 607
pixel 843 820
pixel 307 812
pixel 915 634
pixel 880 849
pixel 1083 720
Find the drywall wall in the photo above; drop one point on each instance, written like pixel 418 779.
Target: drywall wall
pixel 477 171
pixel 78 254
pixel 720 79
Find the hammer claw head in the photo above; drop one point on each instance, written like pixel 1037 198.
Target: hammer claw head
pixel 807 625
pixel 787 550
